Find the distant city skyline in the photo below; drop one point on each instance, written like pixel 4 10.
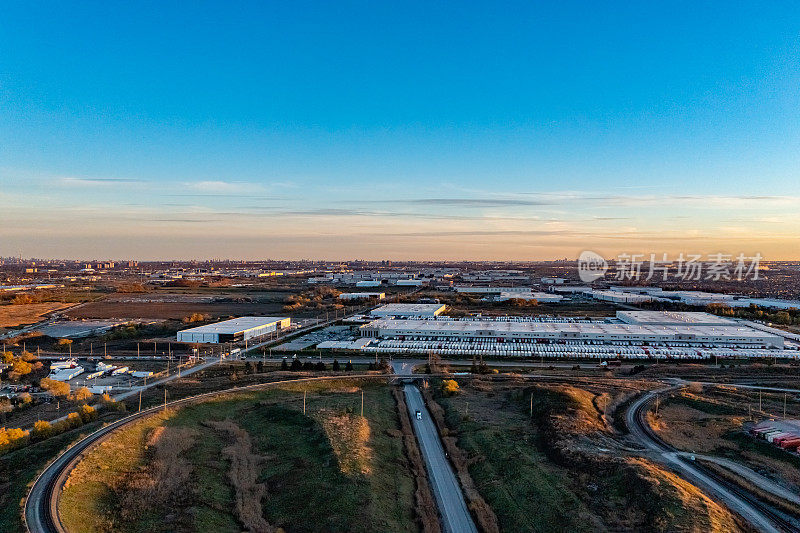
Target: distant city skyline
pixel 421 132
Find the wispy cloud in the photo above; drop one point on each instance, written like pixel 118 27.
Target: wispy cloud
pixel 94 182
pixel 220 186
pixel 471 202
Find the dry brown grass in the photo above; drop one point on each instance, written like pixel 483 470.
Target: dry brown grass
pixel 692 430
pixel 709 515
pixel 484 516
pixel 349 437
pixel 17 315
pixel 243 475
pixel 425 506
pixel 164 481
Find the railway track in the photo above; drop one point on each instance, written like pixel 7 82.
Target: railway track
pixel 776 519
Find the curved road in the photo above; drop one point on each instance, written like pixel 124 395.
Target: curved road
pixel 41 505
pixel 753 513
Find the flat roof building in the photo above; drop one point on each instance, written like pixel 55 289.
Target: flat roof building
pixel 409 310
pixel 362 295
pixel 663 318
pixel 602 332
pixel 234 330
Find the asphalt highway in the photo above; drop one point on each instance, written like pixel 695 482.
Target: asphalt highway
pixel 452 507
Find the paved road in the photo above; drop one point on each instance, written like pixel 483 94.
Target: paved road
pixel 738 505
pixel 446 490
pixel 175 375
pixel 754 477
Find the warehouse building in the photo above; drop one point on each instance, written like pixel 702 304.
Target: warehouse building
pixel 673 318
pixel 237 329
pixel 507 331
pixel 409 310
pixel 362 295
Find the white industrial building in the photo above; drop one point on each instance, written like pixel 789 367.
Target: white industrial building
pixel 673 318
pixel 362 295
pixel 409 282
pixel 512 331
pixel 490 290
pixel 540 297
pixel 409 310
pixel 237 329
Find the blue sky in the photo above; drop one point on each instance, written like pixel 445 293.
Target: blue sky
pixel 419 130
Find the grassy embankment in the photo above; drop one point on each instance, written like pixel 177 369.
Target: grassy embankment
pixel 326 470
pixel 20 467
pixel 558 470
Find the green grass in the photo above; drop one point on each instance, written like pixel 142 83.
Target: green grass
pixel 525 491
pixel 20 467
pixel 307 490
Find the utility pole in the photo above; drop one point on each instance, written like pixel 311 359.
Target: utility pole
pixel 531 415
pixel 362 403
pixel 140 400
pixel 304 402
pixel 165 398
pixel 105 350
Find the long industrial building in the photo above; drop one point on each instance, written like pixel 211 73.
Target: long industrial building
pixel 508 331
pixel 409 310
pixel 237 329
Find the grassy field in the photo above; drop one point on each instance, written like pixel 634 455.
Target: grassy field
pixel 19 468
pixel 326 470
pixel 564 468
pixel 18 315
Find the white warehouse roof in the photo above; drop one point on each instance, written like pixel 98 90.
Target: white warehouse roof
pixel 236 325
pixel 570 331
pixel 409 310
pixel 673 318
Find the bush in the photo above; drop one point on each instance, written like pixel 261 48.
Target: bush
pixel 58 389
pixel 42 430
pixel 450 387
pixel 349 366
pixel 12 438
pixel 24 399
pixel 82 395
pixel 297 365
pixel 320 366
pixel 73 420
pixel 87 413
pixel 336 367
pixel 22 367
pixel 284 365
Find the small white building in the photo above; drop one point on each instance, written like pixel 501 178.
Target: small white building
pixel 237 329
pixel 368 283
